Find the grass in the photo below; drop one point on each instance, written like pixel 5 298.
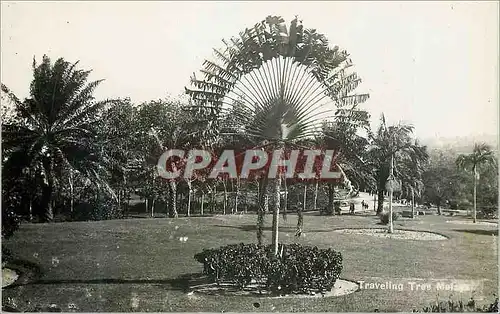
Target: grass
pixel 134 264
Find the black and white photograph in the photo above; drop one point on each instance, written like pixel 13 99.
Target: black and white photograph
pixel 249 156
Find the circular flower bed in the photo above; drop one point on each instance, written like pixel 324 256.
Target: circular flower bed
pixel 256 269
pixel 398 234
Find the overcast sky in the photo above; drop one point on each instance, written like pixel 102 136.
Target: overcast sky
pixel 433 64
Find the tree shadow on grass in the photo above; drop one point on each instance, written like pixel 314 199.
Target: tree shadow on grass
pixel 478 231
pixel 180 283
pixel 254 228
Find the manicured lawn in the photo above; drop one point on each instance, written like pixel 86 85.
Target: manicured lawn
pixel 131 265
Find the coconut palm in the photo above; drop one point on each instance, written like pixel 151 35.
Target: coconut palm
pixel 481 156
pixel 410 171
pixel 351 146
pixel 56 129
pixel 289 80
pixel 390 145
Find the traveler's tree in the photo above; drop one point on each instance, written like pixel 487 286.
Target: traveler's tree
pixel 289 80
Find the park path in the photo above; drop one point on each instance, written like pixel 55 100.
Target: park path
pixel 362 196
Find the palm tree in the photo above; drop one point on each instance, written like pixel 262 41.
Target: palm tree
pixel 411 170
pixel 481 156
pixel 345 138
pixel 288 79
pixel 389 145
pixel 164 124
pixel 56 129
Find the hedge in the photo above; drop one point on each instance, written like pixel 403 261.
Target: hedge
pixel 298 269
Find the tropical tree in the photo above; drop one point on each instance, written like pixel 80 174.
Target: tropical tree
pixel 410 171
pixel 161 125
pixel 481 156
pixel 442 180
pixel 55 132
pixel 288 80
pixel 346 139
pixel 117 135
pixel 390 145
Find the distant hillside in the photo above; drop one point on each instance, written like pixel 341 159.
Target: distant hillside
pixel 460 145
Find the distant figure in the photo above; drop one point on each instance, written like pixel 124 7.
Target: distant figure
pixel 351 208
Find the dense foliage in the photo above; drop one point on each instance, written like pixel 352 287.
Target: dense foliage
pixel 453 306
pixel 52 135
pixel 298 269
pixel 10 223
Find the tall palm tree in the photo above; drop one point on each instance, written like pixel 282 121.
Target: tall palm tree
pixel 345 138
pixel 389 145
pixel 163 125
pixel 56 129
pixel 481 156
pixel 288 79
pixel 410 171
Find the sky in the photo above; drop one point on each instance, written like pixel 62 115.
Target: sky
pixel 432 64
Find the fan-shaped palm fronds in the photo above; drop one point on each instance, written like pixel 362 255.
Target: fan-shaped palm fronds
pixel 55 127
pixel 285 79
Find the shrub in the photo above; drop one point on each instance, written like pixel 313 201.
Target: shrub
pixel 384 217
pixel 337 208
pixel 490 212
pixel 10 223
pixel 102 209
pixel 298 269
pixel 7 255
pixel 452 306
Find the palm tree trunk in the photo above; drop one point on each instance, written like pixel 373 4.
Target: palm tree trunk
pixel 202 202
pixel 331 202
pixel 285 200
pixel 31 209
pixel 71 192
pixel 380 201
pixel 300 214
pixel 475 196
pixel 305 197
pixel 391 225
pixel 173 200
pixel 118 194
pixel 213 199
pixel 245 208
pixel 315 196
pixel 262 206
pixel 276 212
pixel 412 203
pixel 224 201
pixel 190 193
pixel 47 193
pixel 236 198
